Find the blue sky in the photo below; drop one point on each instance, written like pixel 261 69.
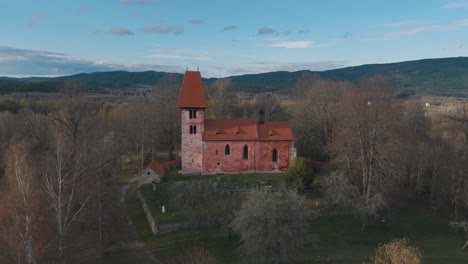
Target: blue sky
pixel 223 38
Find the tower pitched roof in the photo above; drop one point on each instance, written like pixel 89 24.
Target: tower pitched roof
pixel 191 93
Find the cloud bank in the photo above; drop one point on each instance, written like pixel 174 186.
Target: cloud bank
pixel 24 62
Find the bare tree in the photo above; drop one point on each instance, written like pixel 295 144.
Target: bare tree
pixel 271 106
pixel 133 129
pixel 166 118
pixel 67 194
pixel 221 100
pixel 339 191
pixel 316 112
pixel 23 186
pixel 194 198
pixel 271 225
pixel 66 178
pixel 369 149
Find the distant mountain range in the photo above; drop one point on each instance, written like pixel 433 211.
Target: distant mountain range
pixel 445 76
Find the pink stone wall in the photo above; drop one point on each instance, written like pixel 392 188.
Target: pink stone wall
pixel 192 143
pixel 265 155
pixel 260 156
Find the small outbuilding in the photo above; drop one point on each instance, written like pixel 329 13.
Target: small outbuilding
pixel 154 172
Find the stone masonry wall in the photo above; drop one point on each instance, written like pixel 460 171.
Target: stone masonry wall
pixel 259 160
pixel 192 143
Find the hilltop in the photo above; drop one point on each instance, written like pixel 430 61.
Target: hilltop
pixel 444 76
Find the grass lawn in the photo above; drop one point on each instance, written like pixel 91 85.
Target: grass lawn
pixel 156 200
pixel 333 239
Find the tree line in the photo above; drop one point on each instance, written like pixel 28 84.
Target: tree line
pixel 60 157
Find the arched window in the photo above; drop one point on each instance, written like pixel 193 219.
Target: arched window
pixel 190 114
pixel 194 129
pixel 227 150
pixel 246 152
pixel 274 157
pixel 191 129
pixel 194 114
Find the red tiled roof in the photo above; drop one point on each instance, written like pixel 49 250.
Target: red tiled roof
pixel 275 130
pixel 191 93
pixel 157 167
pixel 160 168
pixel 246 129
pixel 230 129
pixel 171 162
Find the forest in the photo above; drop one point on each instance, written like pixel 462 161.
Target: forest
pixel 62 154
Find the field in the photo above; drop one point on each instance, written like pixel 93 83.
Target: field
pixel 332 239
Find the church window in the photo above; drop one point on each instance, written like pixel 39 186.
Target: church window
pixel 227 150
pixel 246 152
pixel 274 157
pixel 194 129
pixel 190 114
pixel 191 129
pixel 194 114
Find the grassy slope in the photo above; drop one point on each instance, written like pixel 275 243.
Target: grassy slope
pixel 334 239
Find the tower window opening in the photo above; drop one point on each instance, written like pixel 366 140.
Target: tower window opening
pixel 191 129
pixel 194 129
pixel 227 150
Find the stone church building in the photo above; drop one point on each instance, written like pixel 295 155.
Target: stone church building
pixel 212 146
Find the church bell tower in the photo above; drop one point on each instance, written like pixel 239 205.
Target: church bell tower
pixel 192 102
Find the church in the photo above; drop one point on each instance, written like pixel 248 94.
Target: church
pixel 211 146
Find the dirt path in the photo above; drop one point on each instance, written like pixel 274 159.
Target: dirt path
pixel 137 245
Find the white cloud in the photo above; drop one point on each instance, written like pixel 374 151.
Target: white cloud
pixel 402 23
pixel 179 57
pixel 23 62
pixel 456 25
pixel 183 54
pixel 456 4
pixel 270 66
pixel 299 44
